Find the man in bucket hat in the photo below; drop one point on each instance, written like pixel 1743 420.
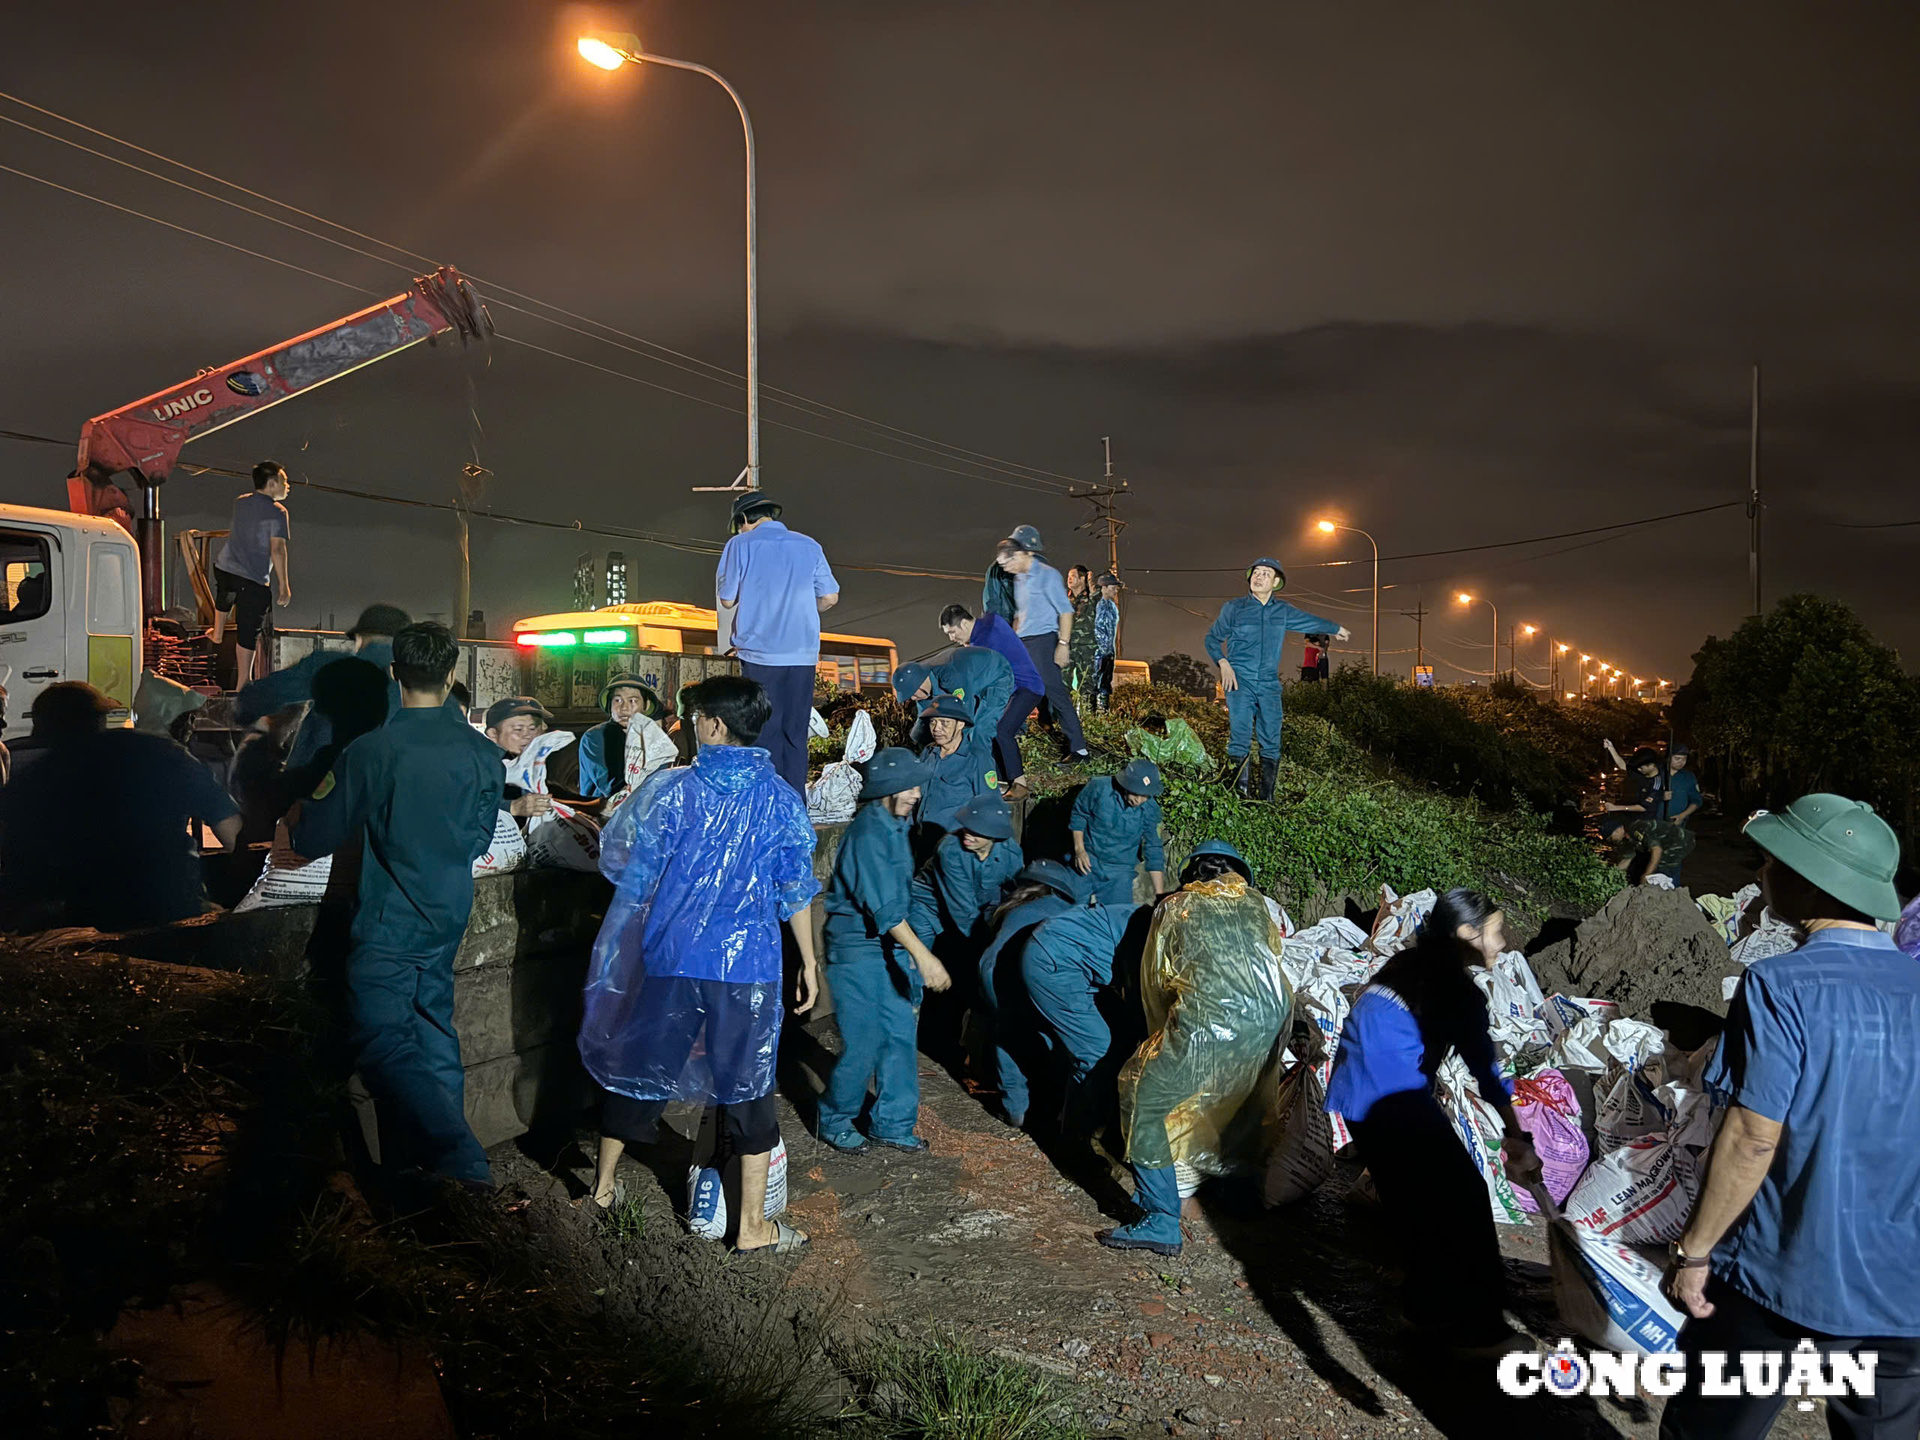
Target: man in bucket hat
pixel 1115 824
pixel 876 965
pixel 603 749
pixel 1245 642
pixel 773 585
pixel 1808 1225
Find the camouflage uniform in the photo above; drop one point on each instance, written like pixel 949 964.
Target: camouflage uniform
pixel 1081 647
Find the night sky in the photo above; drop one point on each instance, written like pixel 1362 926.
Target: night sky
pixel 1456 273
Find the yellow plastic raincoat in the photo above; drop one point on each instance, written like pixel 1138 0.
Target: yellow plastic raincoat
pixel 1202 1088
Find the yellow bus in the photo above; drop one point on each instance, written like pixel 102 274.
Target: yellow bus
pixel 568 656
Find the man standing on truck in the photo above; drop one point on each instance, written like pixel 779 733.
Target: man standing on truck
pixel 253 559
pixel 775 584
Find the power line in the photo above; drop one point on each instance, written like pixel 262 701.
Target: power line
pixel 795 400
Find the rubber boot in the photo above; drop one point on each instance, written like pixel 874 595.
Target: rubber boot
pixel 1240 775
pixel 1269 775
pixel 1156 1191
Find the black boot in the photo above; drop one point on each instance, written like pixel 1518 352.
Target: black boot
pixel 1240 774
pixel 1269 773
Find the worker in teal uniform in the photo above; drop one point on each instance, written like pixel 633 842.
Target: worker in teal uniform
pixel 1041 892
pixel 972 673
pixel 1069 965
pixel 876 965
pixel 1245 642
pixel 424 789
pixel 1115 825
pixel 956 892
pixel 959 770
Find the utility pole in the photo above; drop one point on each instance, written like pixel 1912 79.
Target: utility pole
pixel 1105 522
pixel 1753 496
pixel 1419 617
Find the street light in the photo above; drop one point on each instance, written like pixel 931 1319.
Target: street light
pixel 610 53
pixel 1465 599
pixel 1329 527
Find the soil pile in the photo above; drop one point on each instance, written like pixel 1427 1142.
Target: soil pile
pixel 1642 946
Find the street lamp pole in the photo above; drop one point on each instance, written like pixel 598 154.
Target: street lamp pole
pixel 610 54
pixel 1328 527
pixel 1465 599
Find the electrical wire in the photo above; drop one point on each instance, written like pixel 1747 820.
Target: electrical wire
pixel 705 369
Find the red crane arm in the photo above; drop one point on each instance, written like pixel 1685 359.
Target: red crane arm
pixel 145 437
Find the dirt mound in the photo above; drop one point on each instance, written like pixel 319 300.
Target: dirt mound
pixel 1643 945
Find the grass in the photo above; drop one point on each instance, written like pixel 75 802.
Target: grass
pixel 944 1387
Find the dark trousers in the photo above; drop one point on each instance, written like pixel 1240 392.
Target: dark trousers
pixel 400 998
pixel 1006 740
pixel 1060 709
pixel 1738 1323
pixel 790 691
pixel 1437 1204
pixel 752 1128
pixel 1102 681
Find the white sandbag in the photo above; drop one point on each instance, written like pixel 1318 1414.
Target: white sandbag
pixel 1482 1130
pixel 1399 920
pixel 1280 918
pixel 832 799
pixel 707 1195
pixel 1322 998
pixel 1640 1193
pixel 1334 933
pixel 563 839
pixel 1581 1046
pixel 508 850
pixel 1514 1004
pixel 1633 1042
pixel 1658 881
pixel 1563 1012
pixel 287 879
pixel 648 748
pixel 528 769
pixel 1606 1292
pixel 1771 936
pixel 1301 1157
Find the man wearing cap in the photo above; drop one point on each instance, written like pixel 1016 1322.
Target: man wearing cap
pixel 630 704
pixel 876 965
pixel 957 890
pixel 1807 1227
pixel 1044 623
pixel 1042 891
pixel 957 770
pixel 102 828
pixel 1116 825
pixel 351 693
pixel 773 585
pixel 990 632
pixel 1246 643
pixel 1106 639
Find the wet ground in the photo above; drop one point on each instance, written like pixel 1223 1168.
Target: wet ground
pixel 1278 1323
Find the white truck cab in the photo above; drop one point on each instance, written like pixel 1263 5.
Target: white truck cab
pixel 69 608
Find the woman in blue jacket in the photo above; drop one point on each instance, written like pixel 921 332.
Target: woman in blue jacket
pixel 1421 1005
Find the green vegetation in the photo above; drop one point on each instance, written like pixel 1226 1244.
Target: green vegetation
pixel 1805 699
pixel 945 1388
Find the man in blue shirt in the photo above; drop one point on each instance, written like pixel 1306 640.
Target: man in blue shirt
pixel 990 632
pixel 774 584
pixel 419 796
pixel 1245 642
pixel 1808 1224
pixel 250 571
pixel 1106 639
pixel 1682 798
pixel 1044 623
pixel 1115 825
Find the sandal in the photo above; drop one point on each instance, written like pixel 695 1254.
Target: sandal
pixel 787 1241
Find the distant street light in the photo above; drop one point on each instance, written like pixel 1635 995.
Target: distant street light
pixel 1329 527
pixel 1465 599
pixel 610 53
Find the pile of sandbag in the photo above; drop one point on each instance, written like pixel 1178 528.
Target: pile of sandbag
pixel 289 879
pixel 562 838
pixel 832 799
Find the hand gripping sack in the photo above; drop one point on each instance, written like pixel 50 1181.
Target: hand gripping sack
pixel 1604 1291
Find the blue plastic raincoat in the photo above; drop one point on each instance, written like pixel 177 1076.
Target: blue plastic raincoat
pixel 683 998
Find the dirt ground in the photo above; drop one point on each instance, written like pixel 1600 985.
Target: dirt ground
pixel 1269 1323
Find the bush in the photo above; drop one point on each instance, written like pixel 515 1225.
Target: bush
pixel 1185 673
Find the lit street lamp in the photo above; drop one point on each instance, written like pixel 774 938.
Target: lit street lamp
pixel 1329 527
pixel 1465 599
pixel 610 53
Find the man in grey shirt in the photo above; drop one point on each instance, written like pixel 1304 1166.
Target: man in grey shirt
pixel 251 568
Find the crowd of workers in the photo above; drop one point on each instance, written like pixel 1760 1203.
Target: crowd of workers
pixel 1110 1007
